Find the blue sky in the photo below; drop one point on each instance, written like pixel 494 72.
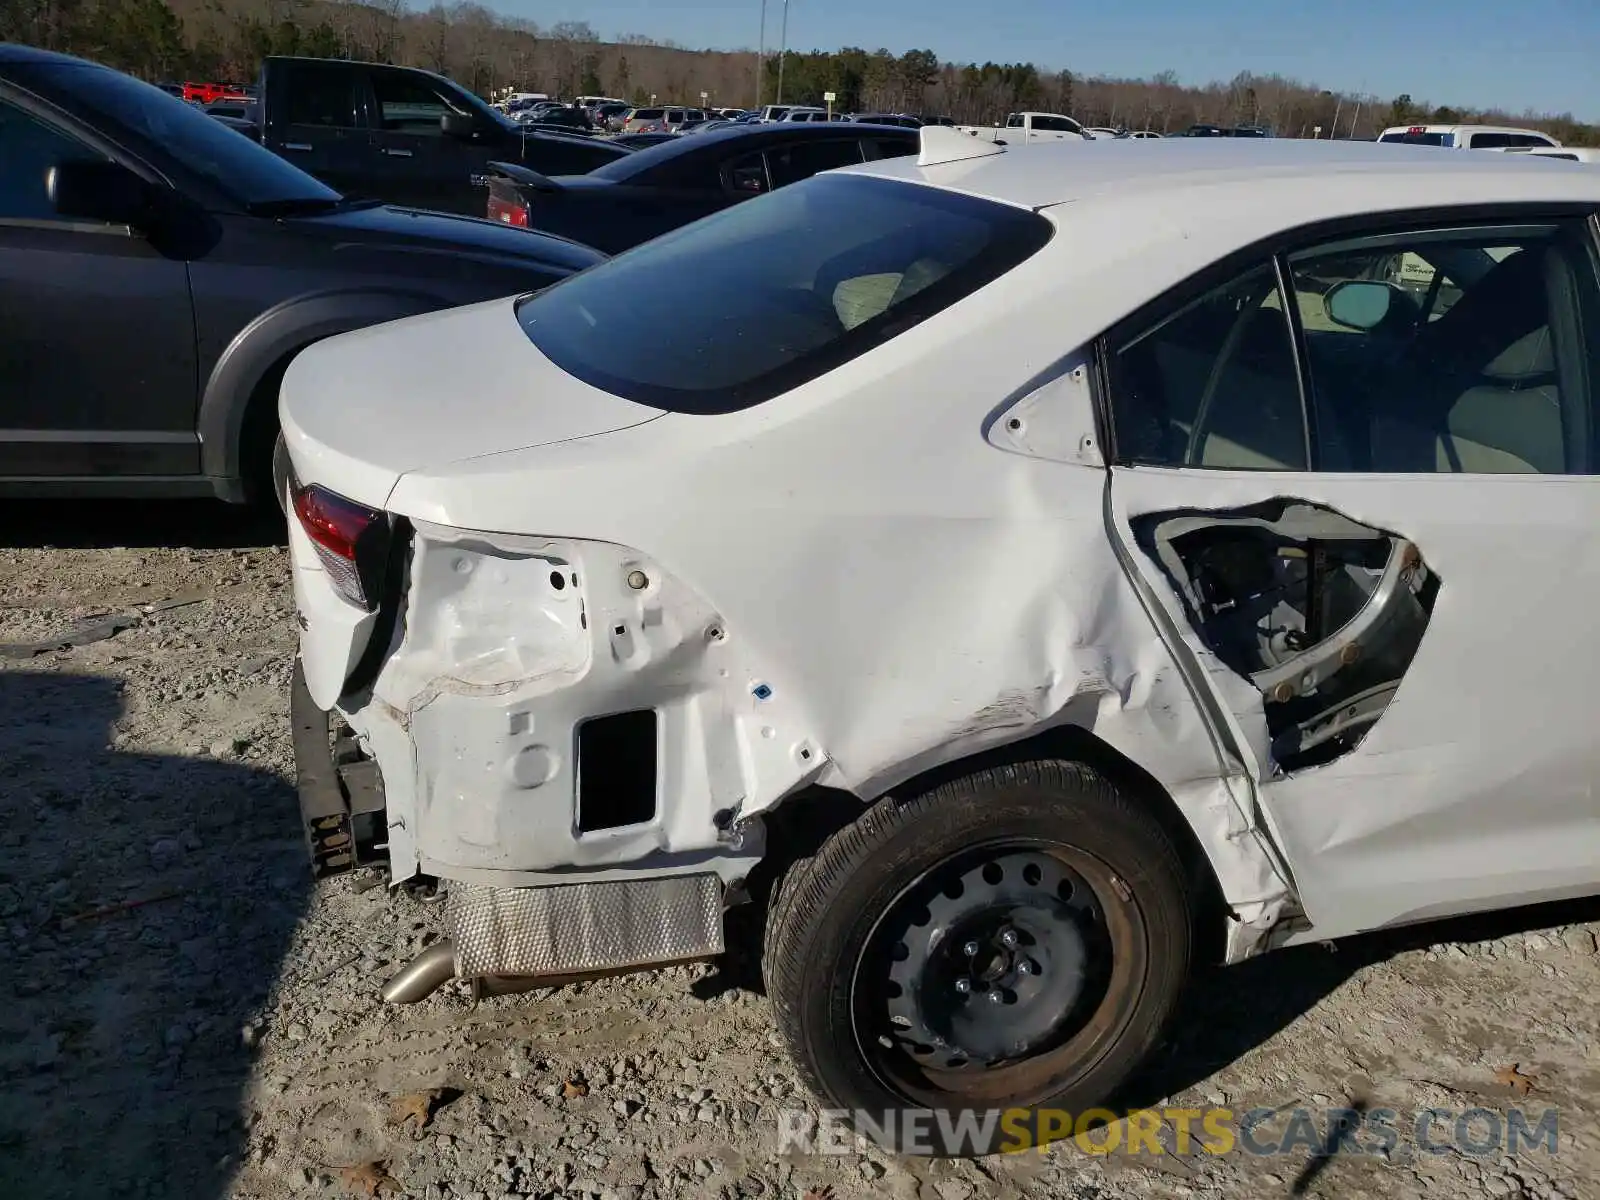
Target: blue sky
pixel 1540 54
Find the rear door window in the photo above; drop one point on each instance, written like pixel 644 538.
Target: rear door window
pixel 771 295
pixel 1214 385
pixel 801 160
pixel 322 96
pixel 880 147
pixel 747 174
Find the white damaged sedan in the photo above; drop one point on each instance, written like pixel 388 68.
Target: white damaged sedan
pixel 1020 574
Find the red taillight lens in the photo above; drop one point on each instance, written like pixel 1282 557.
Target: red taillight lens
pixel 350 539
pixel 508 212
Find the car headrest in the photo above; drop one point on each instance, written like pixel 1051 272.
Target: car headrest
pixel 1529 356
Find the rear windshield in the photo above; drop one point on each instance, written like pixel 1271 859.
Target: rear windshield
pixel 761 297
pixel 1420 139
pixel 647 114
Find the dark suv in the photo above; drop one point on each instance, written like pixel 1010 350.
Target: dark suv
pixel 158 272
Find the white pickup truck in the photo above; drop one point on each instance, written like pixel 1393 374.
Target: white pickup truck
pixel 1024 127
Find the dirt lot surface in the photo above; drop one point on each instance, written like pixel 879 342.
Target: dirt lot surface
pixel 182 1013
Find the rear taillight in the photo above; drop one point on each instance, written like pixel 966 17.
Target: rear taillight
pixel 508 212
pixel 351 540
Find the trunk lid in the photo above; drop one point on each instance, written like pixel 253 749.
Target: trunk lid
pixel 361 409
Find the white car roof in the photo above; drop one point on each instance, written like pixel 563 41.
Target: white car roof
pixel 1037 176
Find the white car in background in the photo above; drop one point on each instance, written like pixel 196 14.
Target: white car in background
pixel 1018 573
pixel 1467 137
pixel 1022 128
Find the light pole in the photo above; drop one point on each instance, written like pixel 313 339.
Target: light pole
pixel 783 46
pixel 761 52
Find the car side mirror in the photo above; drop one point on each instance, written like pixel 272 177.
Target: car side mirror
pixel 99 190
pixel 458 125
pixel 1358 303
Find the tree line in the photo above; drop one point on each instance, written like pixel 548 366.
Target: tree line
pixel 225 40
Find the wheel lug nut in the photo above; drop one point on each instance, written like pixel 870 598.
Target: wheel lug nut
pixel 1008 938
pixel 995 997
pixel 971 949
pixel 963 986
pixel 1025 967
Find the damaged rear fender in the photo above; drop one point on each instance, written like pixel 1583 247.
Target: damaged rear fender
pixel 559 705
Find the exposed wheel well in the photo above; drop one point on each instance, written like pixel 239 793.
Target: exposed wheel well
pixel 258 432
pixel 798 827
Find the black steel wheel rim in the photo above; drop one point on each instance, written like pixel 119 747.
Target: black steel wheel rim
pixel 993 973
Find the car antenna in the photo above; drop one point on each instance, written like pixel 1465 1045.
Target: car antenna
pixel 941 144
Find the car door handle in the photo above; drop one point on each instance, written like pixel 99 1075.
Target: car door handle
pixel 297 146
pixel 398 153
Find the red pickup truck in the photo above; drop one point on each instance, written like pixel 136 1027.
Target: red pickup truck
pixel 210 93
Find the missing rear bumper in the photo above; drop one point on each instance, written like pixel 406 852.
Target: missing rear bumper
pixel 342 810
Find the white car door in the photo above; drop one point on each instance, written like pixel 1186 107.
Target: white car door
pixel 1359 481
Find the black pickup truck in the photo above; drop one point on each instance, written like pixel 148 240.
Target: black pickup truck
pixel 403 135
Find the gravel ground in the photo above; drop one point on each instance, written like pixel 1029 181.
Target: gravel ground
pixel 184 1014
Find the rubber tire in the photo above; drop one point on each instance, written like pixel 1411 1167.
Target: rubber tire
pixel 281 470
pixel 825 906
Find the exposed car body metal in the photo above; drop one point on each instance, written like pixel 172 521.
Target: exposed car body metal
pixel 924 554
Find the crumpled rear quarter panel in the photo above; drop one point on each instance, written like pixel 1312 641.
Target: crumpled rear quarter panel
pixel 508 646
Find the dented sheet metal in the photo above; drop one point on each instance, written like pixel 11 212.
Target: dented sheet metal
pixel 864 632
pixel 509 647
pixel 1390 801
pixel 875 575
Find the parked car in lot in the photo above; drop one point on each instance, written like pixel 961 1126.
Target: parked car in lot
pixel 242 125
pixel 239 110
pixel 1227 530
pixel 559 116
pixel 899 119
pixel 401 134
pixel 637 141
pixel 1467 137
pixel 158 272
pixel 668 118
pixel 1020 128
pixel 661 188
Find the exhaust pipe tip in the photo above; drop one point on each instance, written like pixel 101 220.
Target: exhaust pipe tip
pixel 423 975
